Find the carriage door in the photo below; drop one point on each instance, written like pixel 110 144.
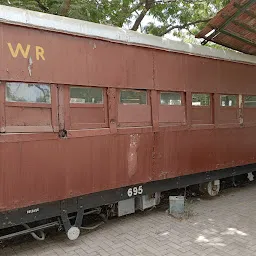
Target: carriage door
pixel 82 107
pixel 171 108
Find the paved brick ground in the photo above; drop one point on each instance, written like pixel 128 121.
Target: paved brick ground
pixel 223 226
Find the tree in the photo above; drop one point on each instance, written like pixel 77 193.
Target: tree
pixel 157 17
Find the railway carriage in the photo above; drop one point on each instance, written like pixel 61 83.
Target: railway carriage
pixel 97 119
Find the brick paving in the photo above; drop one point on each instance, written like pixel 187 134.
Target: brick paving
pixel 223 226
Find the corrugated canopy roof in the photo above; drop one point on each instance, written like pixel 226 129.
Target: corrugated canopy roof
pixel 234 27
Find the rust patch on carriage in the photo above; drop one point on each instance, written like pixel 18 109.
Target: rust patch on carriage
pixel 133 154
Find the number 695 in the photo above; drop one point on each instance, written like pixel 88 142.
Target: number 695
pixel 134 191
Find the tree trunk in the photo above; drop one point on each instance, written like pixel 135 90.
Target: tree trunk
pixel 148 5
pixel 65 7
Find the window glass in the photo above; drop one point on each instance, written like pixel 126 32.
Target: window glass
pixel 200 99
pixel 91 95
pixel 228 100
pixel 170 98
pixel 250 101
pixel 133 97
pixel 32 93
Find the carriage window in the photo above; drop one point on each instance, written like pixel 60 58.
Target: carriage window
pixel 250 101
pixel 228 100
pixel 133 97
pixel 31 93
pixel 90 95
pixel 201 99
pixel 170 98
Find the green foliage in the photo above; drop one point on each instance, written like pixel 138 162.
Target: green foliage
pixel 161 17
pixel 178 14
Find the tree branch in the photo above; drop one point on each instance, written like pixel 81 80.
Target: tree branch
pixel 41 6
pixel 148 5
pixel 136 6
pixel 139 19
pixel 170 28
pixel 65 7
pixel 132 9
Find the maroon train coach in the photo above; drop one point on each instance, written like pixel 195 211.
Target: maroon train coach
pixel 98 119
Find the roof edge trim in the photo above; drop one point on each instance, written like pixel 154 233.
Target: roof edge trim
pixel 76 27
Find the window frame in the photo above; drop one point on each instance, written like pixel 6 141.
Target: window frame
pixel 228 116
pixel 27 104
pixel 104 97
pixel 202 106
pixel 53 106
pixel 246 95
pixel 182 94
pixel 148 102
pixel 147 110
pixel 237 101
pixel 68 106
pixel 167 114
pixel 208 120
